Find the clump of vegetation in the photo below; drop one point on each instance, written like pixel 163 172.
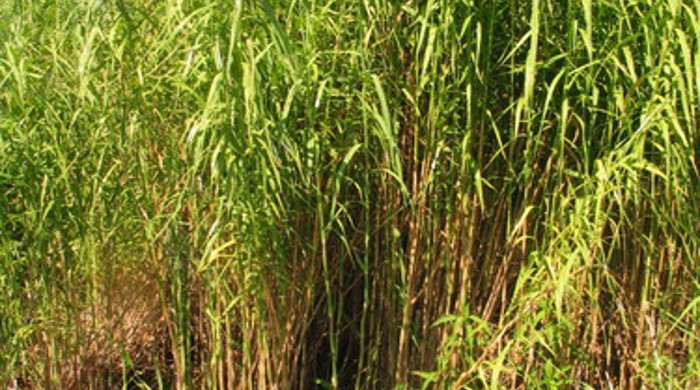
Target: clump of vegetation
pixel 254 194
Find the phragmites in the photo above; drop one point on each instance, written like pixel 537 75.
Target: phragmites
pixel 344 194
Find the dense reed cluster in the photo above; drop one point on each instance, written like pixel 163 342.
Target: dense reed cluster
pixel 346 194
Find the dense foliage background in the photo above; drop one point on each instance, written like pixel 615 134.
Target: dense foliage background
pixel 375 194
